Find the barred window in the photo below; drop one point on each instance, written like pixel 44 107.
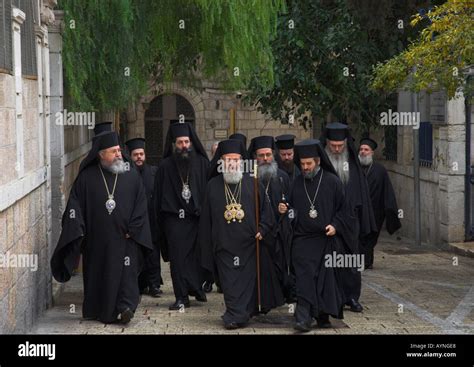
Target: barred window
pixel 426 144
pixel 6 57
pixel 28 36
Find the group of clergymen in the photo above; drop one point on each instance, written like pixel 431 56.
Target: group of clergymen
pixel 270 224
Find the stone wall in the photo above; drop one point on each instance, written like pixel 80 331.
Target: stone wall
pixel 212 108
pixel 442 184
pixel 24 291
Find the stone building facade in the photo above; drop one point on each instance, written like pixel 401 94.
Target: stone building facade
pixel 442 137
pixel 39 158
pixel 211 110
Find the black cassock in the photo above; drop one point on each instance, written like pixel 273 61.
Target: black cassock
pixel 360 219
pixel 111 262
pixel 278 241
pixel 291 175
pixel 319 287
pixel 151 274
pixel 178 222
pixel 232 248
pixel 384 204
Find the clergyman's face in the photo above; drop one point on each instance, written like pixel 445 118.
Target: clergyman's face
pixel 264 155
pixel 183 142
pixel 365 150
pixel 138 156
pixel 231 162
pixel 286 155
pixel 336 147
pixel 308 165
pixel 109 155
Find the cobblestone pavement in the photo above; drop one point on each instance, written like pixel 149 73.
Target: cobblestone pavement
pixel 411 290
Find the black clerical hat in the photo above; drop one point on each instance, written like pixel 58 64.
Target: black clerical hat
pixel 230 146
pixel 179 130
pixel 241 137
pixel 312 148
pixel 336 131
pixel 286 141
pixel 137 143
pixel 308 148
pixel 107 139
pixel 370 142
pixel 101 127
pixel 261 142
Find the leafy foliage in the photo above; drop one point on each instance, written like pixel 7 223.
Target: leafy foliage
pixel 113 49
pixel 323 66
pixel 438 57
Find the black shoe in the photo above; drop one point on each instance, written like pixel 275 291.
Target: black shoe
pixel 201 296
pixel 179 304
pixel 207 286
pixel 126 316
pixel 155 292
pixel 355 306
pixel 219 289
pixel 232 326
pixel 304 327
pixel 323 322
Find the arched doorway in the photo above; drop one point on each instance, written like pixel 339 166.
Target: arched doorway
pixel 162 111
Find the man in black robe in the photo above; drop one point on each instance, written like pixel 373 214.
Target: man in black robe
pixel 339 146
pixel 382 195
pixel 106 220
pixel 228 233
pixel 180 187
pixel 150 279
pixel 210 279
pixel 316 203
pixel 285 155
pixel 276 185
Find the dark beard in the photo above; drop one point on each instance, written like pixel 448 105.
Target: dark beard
pixel 183 157
pixel 288 166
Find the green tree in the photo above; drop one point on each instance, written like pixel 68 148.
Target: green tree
pixel 437 59
pixel 113 49
pixel 323 65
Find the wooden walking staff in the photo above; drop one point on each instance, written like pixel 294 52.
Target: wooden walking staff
pixel 257 217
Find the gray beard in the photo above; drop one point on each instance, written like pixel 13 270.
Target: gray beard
pixel 312 174
pixel 338 162
pixel 232 178
pixel 267 171
pixel 366 161
pixel 117 167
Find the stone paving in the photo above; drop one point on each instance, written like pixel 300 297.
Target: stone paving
pixel 411 290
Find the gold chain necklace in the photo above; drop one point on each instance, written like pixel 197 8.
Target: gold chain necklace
pixel 110 203
pixel 233 207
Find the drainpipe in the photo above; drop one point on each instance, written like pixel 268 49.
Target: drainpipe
pixel 416 173
pixel 468 175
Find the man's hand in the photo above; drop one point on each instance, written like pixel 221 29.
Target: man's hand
pixel 282 208
pixel 127 236
pixel 258 236
pixel 330 230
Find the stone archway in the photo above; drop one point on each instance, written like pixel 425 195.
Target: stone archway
pixel 161 111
